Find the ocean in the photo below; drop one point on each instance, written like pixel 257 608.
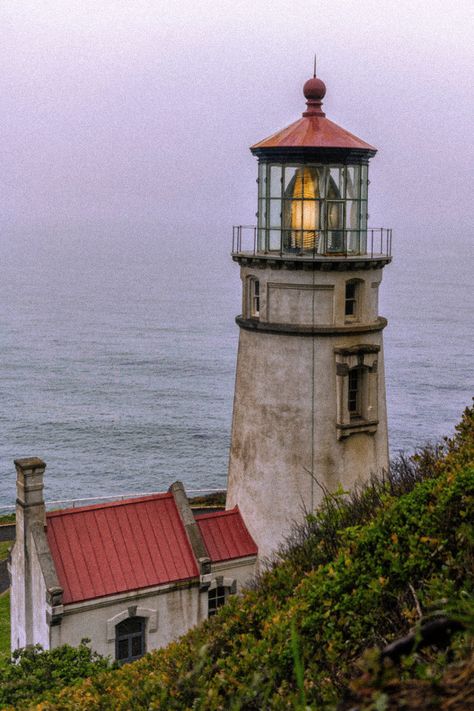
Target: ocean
pixel 118 348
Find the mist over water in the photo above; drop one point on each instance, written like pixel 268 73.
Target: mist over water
pixel 118 349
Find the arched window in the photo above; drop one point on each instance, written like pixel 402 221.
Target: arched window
pixel 254 297
pixel 218 592
pixel 130 639
pixel 352 299
pixel 216 598
pixel 357 389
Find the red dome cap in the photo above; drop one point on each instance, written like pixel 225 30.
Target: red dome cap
pixel 314 91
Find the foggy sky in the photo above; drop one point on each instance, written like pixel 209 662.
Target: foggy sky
pixel 142 111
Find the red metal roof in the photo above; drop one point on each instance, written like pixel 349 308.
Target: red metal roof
pixel 226 536
pixel 313 130
pixel 126 545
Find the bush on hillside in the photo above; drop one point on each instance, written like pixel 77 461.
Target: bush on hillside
pixel 29 672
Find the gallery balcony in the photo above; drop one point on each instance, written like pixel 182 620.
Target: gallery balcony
pixel 316 249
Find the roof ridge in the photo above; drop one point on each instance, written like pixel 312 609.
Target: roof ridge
pixel 108 504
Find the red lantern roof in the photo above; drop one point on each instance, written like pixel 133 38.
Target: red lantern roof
pixel 313 130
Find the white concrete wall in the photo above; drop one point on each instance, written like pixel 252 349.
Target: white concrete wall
pixel 301 298
pixel 170 612
pixel 17 591
pixel 39 622
pixel 28 623
pixel 169 615
pixel 284 433
pixel 241 572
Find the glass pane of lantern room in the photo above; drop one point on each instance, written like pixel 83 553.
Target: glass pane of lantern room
pixel 335 185
pixel 352 214
pixel 352 226
pixel 275 213
pixel 363 227
pixel 352 242
pixel 352 182
pixel 274 240
pixel 335 227
pixel 261 224
pixel 289 180
pixel 262 182
pixel 275 181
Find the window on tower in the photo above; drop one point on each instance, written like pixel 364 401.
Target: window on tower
pixel 353 399
pixel 357 389
pixel 254 297
pixel 352 299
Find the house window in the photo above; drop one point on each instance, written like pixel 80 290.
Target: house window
pixel 353 399
pixel 216 598
pixel 254 298
pixel 130 639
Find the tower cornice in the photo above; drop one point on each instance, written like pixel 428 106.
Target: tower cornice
pixel 288 329
pixel 310 263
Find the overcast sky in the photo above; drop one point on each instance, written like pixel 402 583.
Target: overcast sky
pixel 143 111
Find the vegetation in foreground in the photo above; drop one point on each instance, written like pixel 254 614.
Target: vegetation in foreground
pixel 361 572
pixel 5 623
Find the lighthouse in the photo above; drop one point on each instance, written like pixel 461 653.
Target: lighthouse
pixel 309 410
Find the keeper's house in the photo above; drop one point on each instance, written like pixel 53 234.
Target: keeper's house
pixel 131 575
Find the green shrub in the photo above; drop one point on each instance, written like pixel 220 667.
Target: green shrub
pixel 5 623
pixel 29 672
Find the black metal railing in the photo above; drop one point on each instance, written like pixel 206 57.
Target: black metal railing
pixel 314 244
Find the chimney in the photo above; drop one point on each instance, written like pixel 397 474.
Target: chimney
pixel 29 488
pixel 30 510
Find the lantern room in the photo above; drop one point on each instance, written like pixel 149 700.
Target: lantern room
pixel 312 207
pixel 312 191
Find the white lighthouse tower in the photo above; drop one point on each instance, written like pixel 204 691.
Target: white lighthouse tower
pixel 309 407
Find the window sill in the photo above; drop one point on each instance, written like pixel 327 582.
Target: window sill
pixel 355 426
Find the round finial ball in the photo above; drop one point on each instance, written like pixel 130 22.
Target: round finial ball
pixel 314 89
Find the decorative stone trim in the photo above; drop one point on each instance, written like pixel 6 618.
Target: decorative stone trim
pixel 288 329
pixel 221 581
pixel 132 611
pixel 325 264
pixel 364 357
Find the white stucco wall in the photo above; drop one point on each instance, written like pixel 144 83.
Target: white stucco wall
pixel 39 622
pixel 17 596
pixel 284 434
pixel 241 571
pixel 170 612
pixel 28 622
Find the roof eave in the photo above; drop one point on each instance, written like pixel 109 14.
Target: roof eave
pixel 312 153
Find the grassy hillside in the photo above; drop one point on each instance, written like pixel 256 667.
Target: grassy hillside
pixel 361 572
